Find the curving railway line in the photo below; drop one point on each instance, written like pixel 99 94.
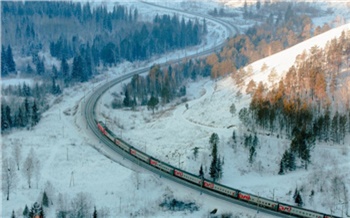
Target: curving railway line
pixel 89 114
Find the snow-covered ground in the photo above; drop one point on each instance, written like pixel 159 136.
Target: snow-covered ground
pixel 71 159
pixel 174 131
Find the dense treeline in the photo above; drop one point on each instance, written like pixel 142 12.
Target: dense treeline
pixel 32 28
pixel 112 36
pixel 166 84
pixel 22 105
pixel 284 26
pixel 301 105
pixel 274 34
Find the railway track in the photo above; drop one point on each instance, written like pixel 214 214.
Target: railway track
pixel 89 114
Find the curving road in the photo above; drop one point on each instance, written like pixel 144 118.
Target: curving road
pixel 89 114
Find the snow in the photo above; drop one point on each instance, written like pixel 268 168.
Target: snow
pixel 72 160
pixel 174 131
pixel 281 65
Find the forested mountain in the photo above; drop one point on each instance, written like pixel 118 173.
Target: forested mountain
pixel 309 104
pixel 81 38
pixel 283 25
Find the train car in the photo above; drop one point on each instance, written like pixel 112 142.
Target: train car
pixel 226 190
pixel 140 155
pixel 187 176
pixel 253 199
pixel 162 166
pixel 122 144
pixel 101 126
pixel 296 211
pixel 260 201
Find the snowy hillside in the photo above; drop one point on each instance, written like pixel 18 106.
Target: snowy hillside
pixel 72 163
pixel 174 131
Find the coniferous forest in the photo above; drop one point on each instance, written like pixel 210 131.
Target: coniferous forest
pixel 31 29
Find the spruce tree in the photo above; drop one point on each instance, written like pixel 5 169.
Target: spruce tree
pixel 94 215
pixel 298 199
pixel 127 100
pixel 219 168
pixel 213 167
pixel 36 210
pixel 25 211
pixel 11 66
pixel 214 140
pixel 45 201
pixel 201 173
pixel 4 68
pixel 281 170
pixel 13 214
pixel 35 114
pixel 152 103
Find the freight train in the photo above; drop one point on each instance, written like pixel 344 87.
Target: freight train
pixel 212 186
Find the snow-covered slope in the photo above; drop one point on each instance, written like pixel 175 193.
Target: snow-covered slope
pixel 174 131
pixel 71 161
pixel 283 60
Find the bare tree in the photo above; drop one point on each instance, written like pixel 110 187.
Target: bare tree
pixel 17 155
pixel 62 206
pixel 31 167
pixel 82 205
pixel 9 176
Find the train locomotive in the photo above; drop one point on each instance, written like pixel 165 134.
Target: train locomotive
pixel 210 185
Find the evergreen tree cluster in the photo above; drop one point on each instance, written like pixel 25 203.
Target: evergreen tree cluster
pixel 287 162
pixel 164 84
pixel 215 169
pixel 26 115
pixel 297 198
pixel 251 143
pixel 110 33
pixel 8 65
pixel 35 211
pixel 26 110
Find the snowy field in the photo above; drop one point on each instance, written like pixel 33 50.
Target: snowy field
pixel 71 159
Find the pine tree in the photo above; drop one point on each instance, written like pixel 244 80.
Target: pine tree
pixel 233 109
pixel 11 65
pixel 291 161
pixel 4 68
pixel 282 167
pixel 201 173
pixel 219 168
pixel 94 215
pixel 3 119
pixel 25 211
pixel 26 115
pixel 195 152
pixel 13 214
pixel 214 140
pixel 8 117
pixel 65 70
pixel 214 163
pixel 252 154
pixel 45 201
pixel 78 69
pixel 152 103
pixel 36 210
pixel 234 136
pixel 298 199
pixel 127 100
pixel 35 114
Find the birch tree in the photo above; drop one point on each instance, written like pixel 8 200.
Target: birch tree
pixel 9 177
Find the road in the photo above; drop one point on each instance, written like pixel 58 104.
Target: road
pixel 89 114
